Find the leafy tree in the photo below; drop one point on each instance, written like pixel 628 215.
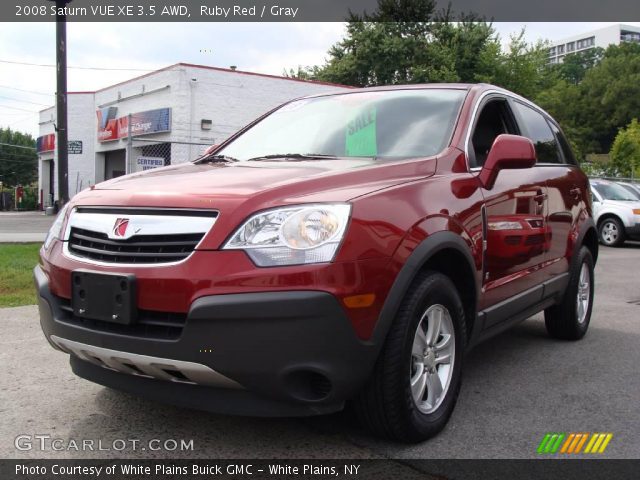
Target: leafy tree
pixel 611 93
pixel 389 47
pixel 17 165
pixel 521 69
pixel 607 98
pixel 625 152
pixel 575 65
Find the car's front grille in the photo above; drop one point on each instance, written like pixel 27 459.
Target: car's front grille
pixel 138 249
pixel 149 323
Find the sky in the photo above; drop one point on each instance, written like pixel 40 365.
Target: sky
pixel 112 52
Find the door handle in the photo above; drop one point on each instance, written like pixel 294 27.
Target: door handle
pixel 575 192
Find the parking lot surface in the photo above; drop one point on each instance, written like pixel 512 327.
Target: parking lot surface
pixel 24 226
pixel 516 387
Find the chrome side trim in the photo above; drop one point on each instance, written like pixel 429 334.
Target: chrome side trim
pixel 139 224
pixel 146 366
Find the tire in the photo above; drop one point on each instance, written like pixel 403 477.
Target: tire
pixel 569 320
pixel 386 405
pixel 611 232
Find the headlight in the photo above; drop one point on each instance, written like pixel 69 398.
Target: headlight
pixel 504 226
pixel 56 229
pixel 292 235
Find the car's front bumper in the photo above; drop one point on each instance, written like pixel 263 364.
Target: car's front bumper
pixel 633 231
pixel 266 353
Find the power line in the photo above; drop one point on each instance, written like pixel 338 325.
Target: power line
pixel 51 65
pixel 17 108
pixel 17 146
pixel 27 91
pixel 24 101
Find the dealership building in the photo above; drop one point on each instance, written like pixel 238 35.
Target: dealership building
pixel 165 117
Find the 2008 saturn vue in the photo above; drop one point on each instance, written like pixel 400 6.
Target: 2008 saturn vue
pixel 343 247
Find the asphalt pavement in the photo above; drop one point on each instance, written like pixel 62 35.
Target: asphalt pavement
pixel 19 227
pixel 516 387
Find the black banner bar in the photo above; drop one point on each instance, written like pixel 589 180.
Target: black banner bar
pixel 312 10
pixel 319 469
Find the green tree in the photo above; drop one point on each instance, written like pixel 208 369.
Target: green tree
pixel 574 66
pixel 18 158
pixel 389 47
pixel 625 152
pixel 521 69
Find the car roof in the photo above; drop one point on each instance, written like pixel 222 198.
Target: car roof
pixel 416 86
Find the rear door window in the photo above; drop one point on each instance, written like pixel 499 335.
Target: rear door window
pixel 564 145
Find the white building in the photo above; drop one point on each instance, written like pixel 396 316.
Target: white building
pixel 603 37
pixel 175 112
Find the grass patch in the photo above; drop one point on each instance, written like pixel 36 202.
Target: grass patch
pixel 16 273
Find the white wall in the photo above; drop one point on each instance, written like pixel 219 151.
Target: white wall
pixel 230 99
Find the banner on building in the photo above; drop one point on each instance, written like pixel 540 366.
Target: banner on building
pixel 46 143
pixel 142 123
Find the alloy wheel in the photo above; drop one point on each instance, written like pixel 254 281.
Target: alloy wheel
pixel 584 293
pixel 432 357
pixel 610 233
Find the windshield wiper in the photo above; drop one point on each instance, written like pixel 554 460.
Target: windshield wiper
pixel 299 156
pixel 216 158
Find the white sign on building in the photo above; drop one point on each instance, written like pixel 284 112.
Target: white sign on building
pixel 147 163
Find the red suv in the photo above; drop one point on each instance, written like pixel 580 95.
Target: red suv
pixel 348 246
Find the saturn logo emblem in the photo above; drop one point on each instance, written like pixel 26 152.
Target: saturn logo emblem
pixel 120 227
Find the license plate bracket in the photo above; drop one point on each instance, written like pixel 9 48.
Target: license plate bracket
pixel 109 297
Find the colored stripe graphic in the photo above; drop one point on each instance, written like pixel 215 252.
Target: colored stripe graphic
pixel 573 443
pixel 551 442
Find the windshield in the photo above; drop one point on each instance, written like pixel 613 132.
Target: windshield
pixel 613 191
pixel 389 124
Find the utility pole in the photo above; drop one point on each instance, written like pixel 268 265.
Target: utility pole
pixel 61 102
pixel 128 166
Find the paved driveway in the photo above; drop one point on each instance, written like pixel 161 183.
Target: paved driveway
pixel 517 387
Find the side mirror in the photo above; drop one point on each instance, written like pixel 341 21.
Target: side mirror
pixel 507 152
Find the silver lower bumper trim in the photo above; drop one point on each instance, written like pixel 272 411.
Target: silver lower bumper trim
pixel 145 366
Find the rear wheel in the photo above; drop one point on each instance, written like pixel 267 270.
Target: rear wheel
pixel 416 380
pixel 570 319
pixel 612 232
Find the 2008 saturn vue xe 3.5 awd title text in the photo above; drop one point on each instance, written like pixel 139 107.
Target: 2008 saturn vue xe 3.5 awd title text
pixel 343 247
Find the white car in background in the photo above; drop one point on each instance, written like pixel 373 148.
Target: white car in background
pixel 616 212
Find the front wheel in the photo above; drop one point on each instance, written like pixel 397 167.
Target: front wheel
pixel 611 232
pixel 416 380
pixel 569 320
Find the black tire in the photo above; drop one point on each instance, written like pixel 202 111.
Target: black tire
pixel 606 232
pixel 563 320
pixel 386 405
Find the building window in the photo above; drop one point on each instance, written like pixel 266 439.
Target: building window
pixel 560 49
pixel 552 51
pixel 571 46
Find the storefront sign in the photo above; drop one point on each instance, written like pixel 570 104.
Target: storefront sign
pixel 46 143
pixel 142 123
pixel 107 124
pixel 147 163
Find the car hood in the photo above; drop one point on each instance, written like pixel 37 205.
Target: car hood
pixel 623 204
pixel 216 185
